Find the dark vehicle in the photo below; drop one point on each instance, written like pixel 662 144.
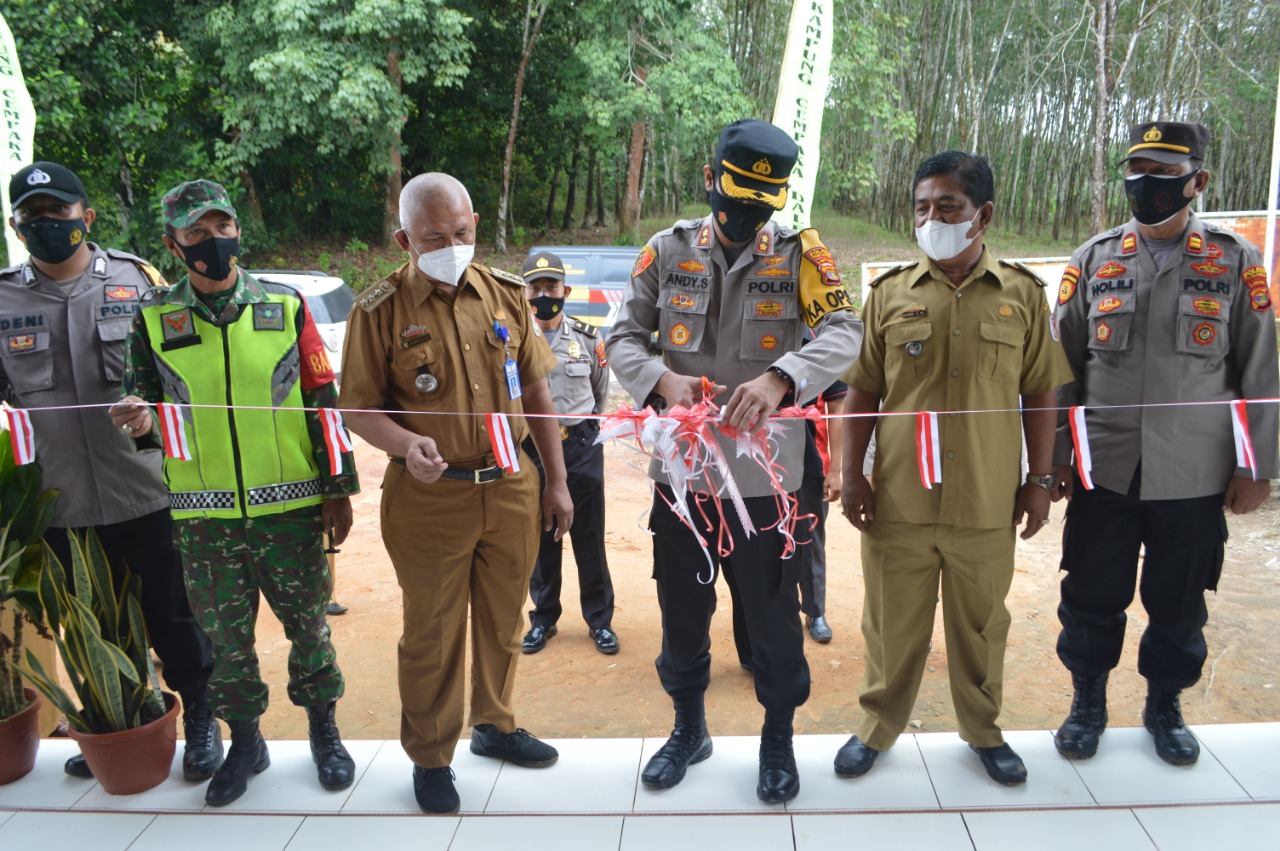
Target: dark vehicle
pixel 598 275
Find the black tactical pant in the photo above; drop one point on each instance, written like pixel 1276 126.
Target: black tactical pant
pixel 1184 542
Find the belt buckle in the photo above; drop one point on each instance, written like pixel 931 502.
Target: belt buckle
pixel 564 433
pixel 476 474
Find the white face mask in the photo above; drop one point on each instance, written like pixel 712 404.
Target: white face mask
pixel 446 264
pixel 942 241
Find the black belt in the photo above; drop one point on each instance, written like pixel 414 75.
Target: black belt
pixel 479 477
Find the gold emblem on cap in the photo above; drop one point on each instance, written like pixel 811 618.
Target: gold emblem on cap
pixel 762 167
pixel 1152 135
pixel 542 263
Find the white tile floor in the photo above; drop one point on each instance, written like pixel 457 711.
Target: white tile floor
pixel 928 791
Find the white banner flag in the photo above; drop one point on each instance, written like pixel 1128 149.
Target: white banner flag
pixel 18 117
pixel 802 93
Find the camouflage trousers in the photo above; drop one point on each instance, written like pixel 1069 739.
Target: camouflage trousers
pixel 227 563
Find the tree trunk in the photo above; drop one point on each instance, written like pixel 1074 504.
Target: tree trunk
pixel 571 196
pixel 504 198
pixel 1103 20
pixel 395 174
pixel 599 193
pixel 550 213
pixel 591 188
pixel 629 214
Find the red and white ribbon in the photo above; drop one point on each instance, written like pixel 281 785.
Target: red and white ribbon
pixel 336 439
pixel 1080 439
pixel 1244 443
pixel 20 435
pixel 504 447
pixel 173 432
pixel 928 449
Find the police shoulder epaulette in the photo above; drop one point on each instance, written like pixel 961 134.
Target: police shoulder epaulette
pixel 507 277
pixel 9 270
pixel 1022 267
pixel 888 273
pixel 582 327
pixel 1210 227
pixel 369 300
pixel 152 273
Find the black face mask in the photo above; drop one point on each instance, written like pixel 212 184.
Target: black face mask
pixel 546 308
pixel 738 222
pixel 213 258
pixel 53 240
pixel 1154 198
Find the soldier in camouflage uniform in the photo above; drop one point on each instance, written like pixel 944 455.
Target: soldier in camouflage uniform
pixel 252 501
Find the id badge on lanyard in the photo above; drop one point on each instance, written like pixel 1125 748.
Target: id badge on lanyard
pixel 509 369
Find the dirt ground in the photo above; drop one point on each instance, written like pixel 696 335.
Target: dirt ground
pixel 571 690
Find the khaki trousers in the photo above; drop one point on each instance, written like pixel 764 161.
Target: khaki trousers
pixel 901 564
pixel 453 543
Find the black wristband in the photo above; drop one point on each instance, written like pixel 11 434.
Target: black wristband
pixel 782 373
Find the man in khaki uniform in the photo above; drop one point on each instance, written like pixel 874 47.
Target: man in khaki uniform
pixel 959 332
pixel 454 339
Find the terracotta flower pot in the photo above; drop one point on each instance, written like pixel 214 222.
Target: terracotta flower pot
pixel 19 739
pixel 136 760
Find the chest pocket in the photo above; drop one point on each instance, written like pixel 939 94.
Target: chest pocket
pixel 1111 323
pixel 1203 325
pixel 682 318
pixel 1000 358
pixel 28 361
pixel 908 350
pixel 769 326
pixel 111 334
pixel 422 359
pixel 577 368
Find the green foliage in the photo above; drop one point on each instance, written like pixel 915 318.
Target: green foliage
pixel 27 512
pixel 101 639
pixel 356 246
pixel 324 261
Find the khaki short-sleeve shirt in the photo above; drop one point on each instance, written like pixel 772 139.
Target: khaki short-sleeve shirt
pixel 406 327
pixel 960 351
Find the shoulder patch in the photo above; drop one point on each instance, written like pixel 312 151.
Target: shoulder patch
pixel 582 327
pixel 369 300
pixel 883 276
pixel 1021 267
pixel 507 277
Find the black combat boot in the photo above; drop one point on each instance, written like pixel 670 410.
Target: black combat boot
pixel 689 743
pixel 1077 738
pixel 1162 716
pixel 202 753
pixel 247 755
pixel 335 767
pixel 779 779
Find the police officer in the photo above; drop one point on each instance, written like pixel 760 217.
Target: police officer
pixel 64 315
pixel 959 332
pixel 454 339
pixel 729 296
pixel 256 492
pixel 579 385
pixel 1157 315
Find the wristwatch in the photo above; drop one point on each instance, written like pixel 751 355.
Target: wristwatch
pixel 1046 482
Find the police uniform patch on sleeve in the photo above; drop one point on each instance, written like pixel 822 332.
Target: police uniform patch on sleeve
pixel 268 317
pixel 507 277
pixel 821 290
pixel 1070 277
pixel 643 260
pixel 601 360
pixel 375 295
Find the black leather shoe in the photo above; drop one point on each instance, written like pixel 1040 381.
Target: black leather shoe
pixel 334 766
pixel 689 744
pixel 606 640
pixel 333 607
pixel 518 748
pixel 536 638
pixel 1162 716
pixel 202 753
pixel 1002 764
pixel 434 790
pixel 76 766
pixel 855 758
pixel 247 755
pixel 779 778
pixel 1077 738
pixel 819 629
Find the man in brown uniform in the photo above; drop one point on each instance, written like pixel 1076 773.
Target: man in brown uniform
pixel 445 336
pixel 967 333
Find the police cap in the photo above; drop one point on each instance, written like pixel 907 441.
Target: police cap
pixel 754 161
pixel 544 264
pixel 45 178
pixel 1168 142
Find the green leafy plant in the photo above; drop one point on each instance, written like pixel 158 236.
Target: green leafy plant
pixel 26 512
pixel 356 245
pixel 102 640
